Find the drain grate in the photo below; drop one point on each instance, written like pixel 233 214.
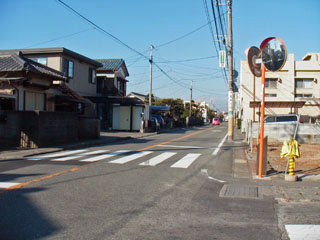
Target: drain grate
pixel 239 191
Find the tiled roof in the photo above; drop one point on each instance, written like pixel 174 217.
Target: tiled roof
pixel 15 63
pixel 112 65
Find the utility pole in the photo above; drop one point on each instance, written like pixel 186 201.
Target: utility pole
pixel 150 90
pixel 190 112
pixel 230 79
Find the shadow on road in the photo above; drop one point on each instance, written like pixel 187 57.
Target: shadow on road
pixel 21 219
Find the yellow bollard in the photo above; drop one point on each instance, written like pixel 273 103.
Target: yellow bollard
pixel 291 166
pixel 292 151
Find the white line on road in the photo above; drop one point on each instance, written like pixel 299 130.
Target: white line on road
pixel 79 155
pixel 158 159
pixel 186 161
pixel 219 146
pixel 178 146
pixel 59 154
pixel 303 231
pixel 205 172
pixel 130 157
pixel 7 184
pixel 104 156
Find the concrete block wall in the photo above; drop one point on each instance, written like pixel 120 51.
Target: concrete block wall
pixel 33 129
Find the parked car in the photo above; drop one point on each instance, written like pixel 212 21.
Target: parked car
pixel 283 118
pixel 160 119
pixel 215 121
pixel 155 125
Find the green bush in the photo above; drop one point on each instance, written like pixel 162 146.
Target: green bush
pixel 239 123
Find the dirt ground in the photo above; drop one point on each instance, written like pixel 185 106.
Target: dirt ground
pixel 308 163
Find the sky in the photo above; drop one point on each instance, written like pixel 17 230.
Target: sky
pixel 184 53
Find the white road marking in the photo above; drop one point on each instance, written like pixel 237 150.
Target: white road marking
pixel 186 161
pixel 46 156
pixel 79 155
pixel 158 159
pixel 104 156
pixel 130 157
pixel 219 146
pixel 7 184
pixel 216 131
pixel 240 161
pixel 205 172
pixel 216 179
pixel 303 231
pixel 177 146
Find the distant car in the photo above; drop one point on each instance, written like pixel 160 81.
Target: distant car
pixel 159 118
pixel 215 121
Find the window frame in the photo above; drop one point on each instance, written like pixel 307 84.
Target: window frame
pixel 271 80
pixel 68 72
pixel 303 82
pixel 92 76
pixel 38 60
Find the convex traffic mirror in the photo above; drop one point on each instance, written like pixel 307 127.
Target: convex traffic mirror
pixel 274 53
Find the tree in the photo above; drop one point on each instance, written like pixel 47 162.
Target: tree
pixel 176 106
pixel 146 100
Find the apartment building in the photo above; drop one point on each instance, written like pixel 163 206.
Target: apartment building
pixel 293 89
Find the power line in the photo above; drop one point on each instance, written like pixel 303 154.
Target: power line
pixel 101 29
pixel 188 60
pixel 61 37
pixel 183 36
pixel 115 39
pixel 212 35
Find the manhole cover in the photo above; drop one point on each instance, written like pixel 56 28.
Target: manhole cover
pixel 239 191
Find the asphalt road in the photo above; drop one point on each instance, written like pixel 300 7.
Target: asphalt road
pixel 166 186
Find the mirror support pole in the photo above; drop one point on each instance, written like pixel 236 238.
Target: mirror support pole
pixel 263 80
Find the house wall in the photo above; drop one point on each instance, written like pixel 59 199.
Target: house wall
pixel 285 88
pixel 80 81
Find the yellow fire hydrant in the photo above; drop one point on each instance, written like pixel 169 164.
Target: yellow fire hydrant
pixel 292 151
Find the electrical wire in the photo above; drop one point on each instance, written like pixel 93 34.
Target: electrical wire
pixel 61 37
pixel 183 36
pixel 101 29
pixel 189 60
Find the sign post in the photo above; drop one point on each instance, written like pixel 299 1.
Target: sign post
pixel 273 53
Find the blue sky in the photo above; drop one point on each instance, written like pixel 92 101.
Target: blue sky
pixel 140 23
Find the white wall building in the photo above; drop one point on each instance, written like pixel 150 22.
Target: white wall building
pixel 296 84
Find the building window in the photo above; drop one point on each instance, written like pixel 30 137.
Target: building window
pixel 271 95
pixel 42 60
pixel 119 85
pixel 271 83
pixel 303 95
pixel 68 67
pixel 303 83
pixel 92 76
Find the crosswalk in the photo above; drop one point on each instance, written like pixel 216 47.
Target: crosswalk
pixel 119 157
pixel 144 158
